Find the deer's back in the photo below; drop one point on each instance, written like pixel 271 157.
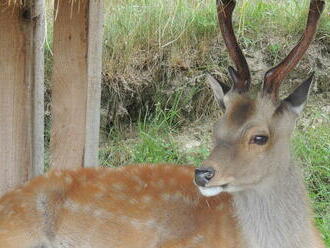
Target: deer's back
pixel 132 206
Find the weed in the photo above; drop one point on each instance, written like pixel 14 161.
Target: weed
pixel 274 50
pixel 312 147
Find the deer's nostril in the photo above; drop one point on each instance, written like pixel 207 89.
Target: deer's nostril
pixel 203 175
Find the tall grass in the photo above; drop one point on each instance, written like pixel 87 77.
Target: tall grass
pixel 312 147
pixel 144 26
pixel 133 27
pixel 153 139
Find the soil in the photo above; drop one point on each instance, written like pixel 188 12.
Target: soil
pixel 148 81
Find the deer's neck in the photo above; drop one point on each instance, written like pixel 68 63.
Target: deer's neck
pixel 275 215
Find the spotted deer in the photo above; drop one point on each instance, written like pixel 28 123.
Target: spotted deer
pixel 247 194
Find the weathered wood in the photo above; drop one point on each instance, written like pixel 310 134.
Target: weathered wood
pixel 76 84
pixel 95 38
pixel 38 17
pixel 16 84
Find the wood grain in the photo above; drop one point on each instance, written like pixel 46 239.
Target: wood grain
pixel 15 101
pixel 76 83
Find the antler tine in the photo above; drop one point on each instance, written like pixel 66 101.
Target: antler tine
pixel 241 76
pixel 275 75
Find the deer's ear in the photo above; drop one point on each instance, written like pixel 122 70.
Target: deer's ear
pixel 296 101
pixel 219 89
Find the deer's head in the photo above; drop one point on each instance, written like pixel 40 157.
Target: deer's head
pixel 252 137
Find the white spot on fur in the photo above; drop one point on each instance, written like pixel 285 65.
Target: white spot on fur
pixel 118 186
pixel 11 213
pixel 220 207
pixel 165 196
pixel 122 197
pixel 210 191
pixel 177 195
pixel 71 205
pixel 136 223
pixel 146 198
pixel 99 195
pixel 23 205
pixel 138 180
pixel 98 213
pixel 87 208
pixel 42 201
pixel 197 240
pixel 133 201
pixel 68 179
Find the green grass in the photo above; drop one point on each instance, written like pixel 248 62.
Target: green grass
pixel 312 147
pixel 154 137
pixel 143 32
pixel 143 27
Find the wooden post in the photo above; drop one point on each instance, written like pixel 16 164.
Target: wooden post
pixel 18 112
pixel 38 71
pixel 76 89
pixel 94 69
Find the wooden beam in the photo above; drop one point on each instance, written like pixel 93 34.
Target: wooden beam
pixel 17 84
pixel 76 83
pixel 94 63
pixel 38 17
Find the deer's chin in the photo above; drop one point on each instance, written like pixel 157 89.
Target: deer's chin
pixel 215 190
pixel 210 191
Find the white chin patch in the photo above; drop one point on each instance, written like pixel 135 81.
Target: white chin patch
pixel 210 191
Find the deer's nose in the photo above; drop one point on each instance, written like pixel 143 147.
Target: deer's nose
pixel 203 175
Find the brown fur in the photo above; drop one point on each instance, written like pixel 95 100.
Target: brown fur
pixel 133 206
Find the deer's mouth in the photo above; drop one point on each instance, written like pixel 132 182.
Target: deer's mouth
pixel 213 190
pixel 210 191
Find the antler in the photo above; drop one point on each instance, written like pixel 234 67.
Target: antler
pixel 241 76
pixel 275 75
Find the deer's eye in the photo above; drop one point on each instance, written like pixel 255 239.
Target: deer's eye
pixel 259 139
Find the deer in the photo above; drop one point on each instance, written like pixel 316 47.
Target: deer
pixel 247 194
